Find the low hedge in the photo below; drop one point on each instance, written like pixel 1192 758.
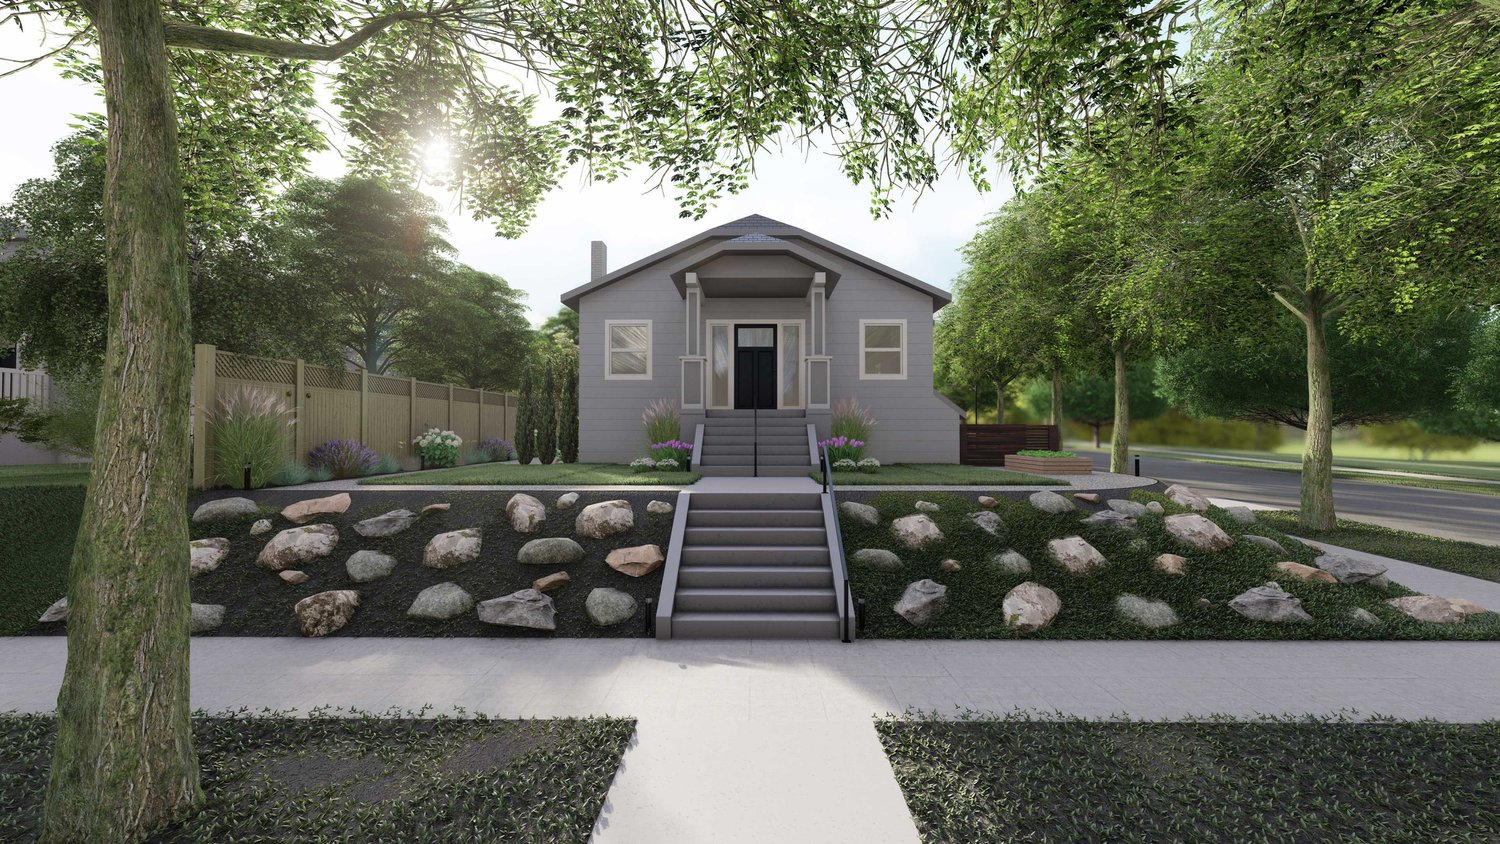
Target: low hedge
pixel 39 524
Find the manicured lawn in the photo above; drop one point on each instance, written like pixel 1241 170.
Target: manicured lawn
pixel 1364 477
pixel 938 474
pixel 1018 779
pixel 37 524
pixel 557 474
pixel 976 592
pixel 278 778
pixel 53 474
pixel 1468 558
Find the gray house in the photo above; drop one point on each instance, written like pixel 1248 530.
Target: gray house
pixel 758 320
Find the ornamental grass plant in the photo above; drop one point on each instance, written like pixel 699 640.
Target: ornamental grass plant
pixel 250 428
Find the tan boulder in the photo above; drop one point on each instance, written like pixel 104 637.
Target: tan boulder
pixel 1187 497
pixel 298 545
pixel 917 530
pixel 552 582
pixel 206 554
pixel 439 507
pixel 526 512
pixel 325 612
pixel 1202 534
pixel 1076 555
pixel 1030 606
pixel 447 550
pixel 950 565
pixel 1466 606
pixel 1090 497
pixel 1308 573
pixel 987 501
pixel 1170 564
pixel 636 562
pixel 294 576
pixel 605 519
pixel 305 511
pixel 1430 608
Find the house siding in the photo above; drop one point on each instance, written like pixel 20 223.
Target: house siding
pixel 609 411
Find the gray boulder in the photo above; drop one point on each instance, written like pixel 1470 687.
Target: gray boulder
pixel 1193 529
pixel 205 617
pixel 1349 569
pixel 204 555
pixel 365 566
pixel 1429 608
pixel 861 513
pixel 325 612
pixel 1187 497
pixel 552 551
pixel 447 550
pixel 261 526
pixel 605 519
pixel 917 530
pixel 386 524
pixel 1050 502
pixel 1145 612
pixel 525 512
pixel 876 558
pixel 567 500
pixel 607 607
pixel 659 508
pixel 928 507
pixel 1240 515
pixel 1155 507
pixel 526 608
pixel 1126 507
pixel 1265 542
pixel 1111 518
pixel 1364 618
pixel 1030 606
pixel 1010 562
pixel 57 612
pixel 922 602
pixel 1269 603
pixel 294 546
pixel 1076 555
pixel 224 508
pixel 988 521
pixel 441 602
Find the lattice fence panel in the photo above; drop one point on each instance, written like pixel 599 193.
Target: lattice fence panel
pixel 248 368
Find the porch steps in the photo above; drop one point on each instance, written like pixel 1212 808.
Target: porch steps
pixel 754 565
pixel 735 444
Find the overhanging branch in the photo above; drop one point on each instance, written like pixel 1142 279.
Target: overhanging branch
pixel 189 36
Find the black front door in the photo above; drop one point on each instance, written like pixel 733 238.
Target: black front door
pixel 755 367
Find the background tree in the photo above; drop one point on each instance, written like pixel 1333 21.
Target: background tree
pixel 545 412
pixel 526 418
pixel 1089 397
pixel 567 421
pixel 471 329
pixel 561 327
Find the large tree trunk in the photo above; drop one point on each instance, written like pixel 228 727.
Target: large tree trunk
pixel 999 403
pixel 123 762
pixel 1317 452
pixel 1119 441
pixel 1057 404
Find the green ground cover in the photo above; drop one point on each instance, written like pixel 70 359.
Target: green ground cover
pixel 278 778
pixel 53 474
pixel 976 592
pixel 1020 779
pixel 38 524
pixel 938 474
pixel 558 474
pixel 1468 558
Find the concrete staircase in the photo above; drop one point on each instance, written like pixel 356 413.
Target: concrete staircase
pixel 741 443
pixel 753 565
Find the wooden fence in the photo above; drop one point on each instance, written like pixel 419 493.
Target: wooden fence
pixel 383 412
pixel 987 445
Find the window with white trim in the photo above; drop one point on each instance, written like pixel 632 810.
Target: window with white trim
pixel 628 349
pixel 882 348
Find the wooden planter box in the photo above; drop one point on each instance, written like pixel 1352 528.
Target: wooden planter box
pixel 1050 465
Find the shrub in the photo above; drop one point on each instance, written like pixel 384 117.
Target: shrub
pixel 668 465
pixel 1042 452
pixel 546 416
pixel 851 420
pixel 843 448
pixel 499 450
pixel 438 448
pixel 672 450
pixel 845 465
pixel 525 421
pixel 475 455
pixel 343 458
pixel 386 465
pixel 1176 428
pixel 317 476
pixel 249 429
pixel 289 473
pixel 869 465
pixel 643 464
pixel 567 417
pixel 662 420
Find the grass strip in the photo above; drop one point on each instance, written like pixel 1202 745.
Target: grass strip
pixel 938 474
pixel 557 474
pixel 1470 558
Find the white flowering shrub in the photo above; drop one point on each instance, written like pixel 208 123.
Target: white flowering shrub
pixel 869 465
pixel 438 448
pixel 667 464
pixel 643 464
pixel 845 465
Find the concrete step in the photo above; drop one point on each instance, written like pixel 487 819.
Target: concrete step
pixel 754 518
pixel 738 413
pixel 754 577
pixel 785 471
pixel 755 555
pixel 785 460
pixel 764 424
pixel 712 458
pixel 725 471
pixel 765 534
pixel 755 625
pixel 754 600
pixel 756 501
pixel 745 470
pixel 719 440
pixel 749 449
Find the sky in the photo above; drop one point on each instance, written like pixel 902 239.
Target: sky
pixel 922 237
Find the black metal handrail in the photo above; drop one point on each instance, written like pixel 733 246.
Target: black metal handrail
pixel 836 548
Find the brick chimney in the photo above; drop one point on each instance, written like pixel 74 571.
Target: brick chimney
pixel 598 263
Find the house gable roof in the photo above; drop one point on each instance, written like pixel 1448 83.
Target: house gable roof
pixel 754 234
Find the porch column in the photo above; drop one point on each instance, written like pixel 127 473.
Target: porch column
pixel 819 371
pixel 693 361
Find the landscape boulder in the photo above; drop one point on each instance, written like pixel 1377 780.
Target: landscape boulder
pixel 1155 507
pixel 876 558
pixel 922 602
pixel 261 526
pixel 365 566
pixel 1429 608
pixel 1170 563
pixel 1111 518
pixel 567 500
pixel 308 509
pixel 1030 606
pixel 607 607
pixel 861 513
pixel 525 512
pixel 1188 497
pixel 1144 612
pixel 447 550
pixel 988 521
pixel 436 507
pixel 1364 618
pixel 206 554
pixel 950 565
pixel 441 602
pixel 928 507
pixel 526 608
pixel 204 618
pixel 552 582
pixel 325 612
pixel 553 551
pixel 294 546
pixel 1090 497
pixel 1050 502
pixel 1349 569
pixel 1307 573
pixel 917 530
pixel 605 519
pixel 1197 531
pixel 659 508
pixel 386 524
pixel 224 508
pixel 987 501
pixel 1126 507
pixel 1269 603
pixel 1265 542
pixel 295 577
pixel 57 612
pixel 1240 515
pixel 1076 555
pixel 1010 562
pixel 638 561
pixel 1466 606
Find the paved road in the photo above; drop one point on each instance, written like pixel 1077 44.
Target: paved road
pixel 1456 515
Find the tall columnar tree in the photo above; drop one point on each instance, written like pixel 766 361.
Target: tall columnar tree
pixel 567 422
pixel 526 418
pixel 546 414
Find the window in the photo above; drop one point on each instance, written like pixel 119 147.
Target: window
pixel 882 348
pixel 629 349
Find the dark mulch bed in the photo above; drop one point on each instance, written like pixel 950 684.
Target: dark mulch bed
pixel 360 778
pixel 258 603
pixel 1292 780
